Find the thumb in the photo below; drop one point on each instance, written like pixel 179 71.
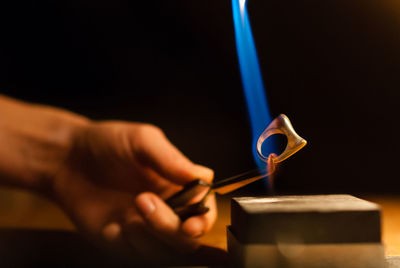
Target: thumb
pixel 155 150
pixel 162 220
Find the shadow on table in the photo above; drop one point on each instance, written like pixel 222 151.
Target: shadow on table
pixel 28 248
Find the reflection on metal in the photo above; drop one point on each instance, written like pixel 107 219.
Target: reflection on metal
pixel 281 125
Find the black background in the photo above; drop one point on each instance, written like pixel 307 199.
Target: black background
pixel 332 66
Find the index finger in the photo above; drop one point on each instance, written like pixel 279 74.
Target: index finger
pixel 154 149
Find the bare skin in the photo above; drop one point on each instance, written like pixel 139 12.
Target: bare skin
pixel 109 177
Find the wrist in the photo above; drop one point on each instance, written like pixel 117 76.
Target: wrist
pixel 59 143
pixel 35 141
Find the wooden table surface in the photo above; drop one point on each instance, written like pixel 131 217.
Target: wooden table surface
pixel 20 209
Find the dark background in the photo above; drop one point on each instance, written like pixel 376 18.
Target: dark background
pixel 332 66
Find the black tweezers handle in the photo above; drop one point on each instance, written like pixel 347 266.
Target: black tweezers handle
pixel 178 202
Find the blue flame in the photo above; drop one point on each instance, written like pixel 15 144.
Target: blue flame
pixel 253 85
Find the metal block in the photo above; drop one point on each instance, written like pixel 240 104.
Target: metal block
pixel 305 219
pixel 328 231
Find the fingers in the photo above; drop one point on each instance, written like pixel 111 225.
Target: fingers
pixel 199 225
pixel 163 222
pixel 156 183
pixel 112 231
pixel 154 149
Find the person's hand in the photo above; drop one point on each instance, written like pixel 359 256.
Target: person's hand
pixel 109 177
pixel 113 184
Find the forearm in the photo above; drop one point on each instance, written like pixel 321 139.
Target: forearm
pixel 34 141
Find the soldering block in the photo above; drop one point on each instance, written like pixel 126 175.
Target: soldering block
pixel 305 231
pixel 309 219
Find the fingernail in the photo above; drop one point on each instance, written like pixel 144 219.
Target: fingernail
pixel 202 172
pixel 193 228
pixel 200 233
pixel 193 233
pixel 111 231
pixel 145 205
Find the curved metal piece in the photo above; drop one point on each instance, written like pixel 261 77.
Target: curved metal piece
pixel 281 125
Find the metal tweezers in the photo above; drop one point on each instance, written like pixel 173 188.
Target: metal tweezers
pixel 180 202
